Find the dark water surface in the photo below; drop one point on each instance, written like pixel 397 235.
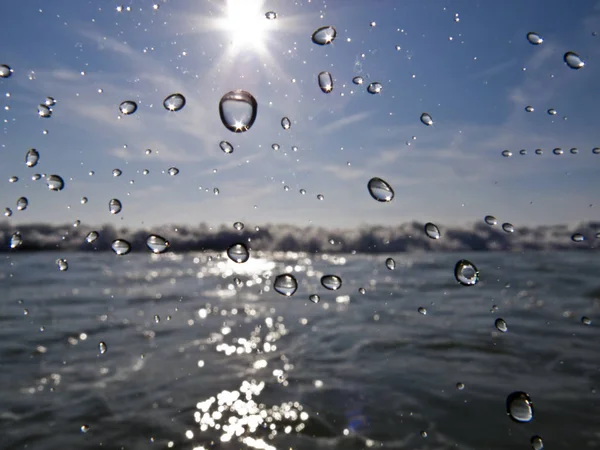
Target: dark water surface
pixel 195 361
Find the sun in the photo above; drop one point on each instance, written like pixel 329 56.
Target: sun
pixel 246 26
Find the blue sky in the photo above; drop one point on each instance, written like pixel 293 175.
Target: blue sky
pixel 475 86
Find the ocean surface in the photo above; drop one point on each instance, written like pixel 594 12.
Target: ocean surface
pixel 202 353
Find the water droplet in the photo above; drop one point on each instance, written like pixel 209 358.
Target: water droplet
pixel 85 428
pixel 490 220
pixel 157 244
pixel 380 190
pixel 156 318
pixel 91 236
pixel 423 433
pixel 398 48
pixel 426 119
pixel 238 110
pixel 285 284
pixel 314 298
pixel 374 88
pixel 173 171
pixel 362 291
pixel 325 82
pixel 114 206
pixel 320 197
pixel 537 443
pixel 7 212
pixel 226 147
pixel 529 109
pixel 13 179
pixel 432 231
pixel 36 176
pixel 174 102
pixel 286 123
pixel 302 191
pixel 55 183
pixel 76 223
pixel 558 151
pixel 390 263
pixel 238 226
pixel 552 111
pixel 324 35
pixel 596 150
pixel 116 172
pixel 506 153
pixel 422 310
pixel 5 71
pixel 22 203
pixel 238 253
pixel 508 227
pixel 62 264
pixel 275 147
pixel 121 247
pixel 16 240
pixel 534 38
pixel 373 24
pixel 538 151
pixel 50 101
pixel 84 200
pixel 586 320
pixel 271 15
pixel 577 237
pixel 523 152
pixel 44 111
pixel 32 157
pixel 519 407
pixel 574 151
pixel 466 273
pixel 358 80
pixel 331 282
pixel 128 107
pixel 460 386
pixel 102 348
pixel 573 60
pixel 501 325
pixel 216 191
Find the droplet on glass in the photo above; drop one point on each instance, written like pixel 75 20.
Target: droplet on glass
pixel 128 107
pixel 102 347
pixel 238 226
pixel 331 282
pixel 501 325
pixel 174 102
pixel 84 200
pixel 573 60
pixel 238 110
pixel 15 240
pixel 586 320
pixel 116 172
pixel 238 253
pixel 574 151
pixel 286 123
pixel 362 291
pixel 578 237
pixel 314 298
pixel 22 203
pixel 466 273
pixel 358 80
pixel 558 151
pixel 157 244
pixel 302 191
pixel 325 82
pixel 490 220
pixel 121 247
pixel 538 151
pixel 55 183
pixel 7 212
pixel 13 179
pixel 91 236
pixel 519 407
pixel 460 386
pixel 44 111
pixel 432 231
pixel 523 152
pixel 226 147
pixel 529 109
pixel 596 150
pixel 285 284
pixel 537 443
pixel 5 71
pixel 426 119
pixel 552 111
pixel 374 88
pixel 422 310
pixel 506 153
pixel 76 223
pixel 271 15
pixel 324 35
pixel 320 197
pixel 534 38
pixel 36 176
pixel 390 263
pixel 114 206
pixel 50 101
pixel 275 147
pixel 173 171
pixel 508 227
pixel 84 428
pixel 32 157
pixel 62 264
pixel 380 190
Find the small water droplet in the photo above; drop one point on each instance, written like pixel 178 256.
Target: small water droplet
pixel 460 386
pixel 373 24
pixel 44 111
pixel 76 223
pixel 238 226
pixel 114 206
pixel 552 111
pixel 380 190
pixel 577 237
pixel 102 347
pixel 466 273
pixel 325 82
pixel 538 151
pixel 174 102
pixel 320 197
pixel 13 179
pixel 116 172
pixel 36 176
pixel 50 101
pixel 523 152
pixel 324 35
pixel 121 247
pixel 302 191
pixel 7 212
pixel 156 318
pixel 358 80
pixel 22 203
pixel 5 71
pixel 586 320
pixel 32 157
pixel 271 15
pixel 285 284
pixel 275 147
pixel 508 227
pixel 574 151
pixel 226 147
pixel 85 428
pixel 15 240
pixel 390 263
pixel 314 298
pixel 128 107
pixel 426 119
pixel 91 236
pixel 596 150
pixel 216 191
pixel 558 151
pixel 173 171
pixel 424 433
pixel 519 407
pixel 398 48
pixel 529 109
pixel 157 244
pixel 374 88
pixel 237 110
pixel 362 291
pixel 238 253
pixel 537 443
pixel 506 153
pixel 573 60
pixel 534 38
pixel 331 282
pixel 432 231
pixel 55 183
pixel 84 200
pixel 422 310
pixel 490 220
pixel 286 123
pixel 501 325
pixel 62 264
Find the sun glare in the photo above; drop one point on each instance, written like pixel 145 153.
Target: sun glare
pixel 246 26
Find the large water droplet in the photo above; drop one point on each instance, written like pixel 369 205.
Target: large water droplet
pixel 285 284
pixel 519 407
pixel 102 347
pixel 537 443
pixel 271 15
pixel 325 82
pixel 508 227
pixel 44 111
pixel 501 325
pixel 226 147
pixel 506 153
pixel 114 206
pixel 238 110
pixel 358 80
pixel 16 240
pixel 331 282
pixel 490 220
pixel 390 263
pixel 55 183
pixel 432 231
pixel 174 102
pixel 573 60
pixel 32 157
pixel 157 244
pixel 374 88
pixel 22 203
pixel 466 273
pixel 238 253
pixel 5 71
pixel 62 264
pixel 128 107
pixel 529 109
pixel 92 236
pixel 286 123
pixel 380 190
pixel 324 35
pixel 578 237
pixel 426 119
pixel 173 171
pixel 534 38
pixel 121 247
pixel 314 298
